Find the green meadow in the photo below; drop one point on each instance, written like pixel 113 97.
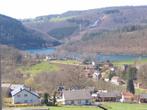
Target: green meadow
pixel 129 62
pixel 109 106
pixel 59 19
pixel 69 62
pixel 40 68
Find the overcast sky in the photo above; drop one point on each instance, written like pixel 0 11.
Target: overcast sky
pixel 32 8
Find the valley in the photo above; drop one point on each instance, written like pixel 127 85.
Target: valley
pixel 91 58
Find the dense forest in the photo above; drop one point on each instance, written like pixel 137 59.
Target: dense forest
pixel 105 30
pixel 15 34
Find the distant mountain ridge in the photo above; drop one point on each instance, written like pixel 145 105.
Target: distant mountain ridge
pixel 122 29
pixel 106 30
pixel 14 33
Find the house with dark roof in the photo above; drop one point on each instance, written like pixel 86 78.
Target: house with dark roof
pixel 75 97
pixel 143 98
pixel 23 95
pixel 108 96
pixel 127 97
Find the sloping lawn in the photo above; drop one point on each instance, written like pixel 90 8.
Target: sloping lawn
pixel 40 68
pixel 109 106
pixel 74 108
pixel 125 106
pixel 68 62
pixel 120 63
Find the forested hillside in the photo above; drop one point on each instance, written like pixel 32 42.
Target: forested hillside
pixel 15 34
pixel 107 30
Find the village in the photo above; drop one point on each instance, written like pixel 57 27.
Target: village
pixel 22 95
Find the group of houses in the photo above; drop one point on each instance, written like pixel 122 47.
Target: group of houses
pixel 99 71
pixel 21 94
pixel 88 97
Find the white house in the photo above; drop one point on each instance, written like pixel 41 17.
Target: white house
pixel 22 95
pixel 76 97
pixel 117 80
pixel 96 75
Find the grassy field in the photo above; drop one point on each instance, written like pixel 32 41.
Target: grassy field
pixel 140 91
pixel 120 63
pixel 109 106
pixel 59 19
pixel 40 68
pixel 125 106
pixel 74 108
pixel 68 62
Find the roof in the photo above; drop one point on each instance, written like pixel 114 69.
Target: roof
pixel 143 96
pixel 115 78
pixel 20 89
pixel 109 94
pixel 14 86
pixel 77 94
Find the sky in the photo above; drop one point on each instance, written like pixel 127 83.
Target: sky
pixel 21 9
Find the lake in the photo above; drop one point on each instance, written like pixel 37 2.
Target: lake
pixel 99 57
pixel 119 57
pixel 43 51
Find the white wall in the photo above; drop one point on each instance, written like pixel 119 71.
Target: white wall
pixel 77 102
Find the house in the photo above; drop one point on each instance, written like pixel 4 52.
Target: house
pixel 143 98
pixel 23 95
pixel 108 96
pixel 96 75
pixel 138 85
pixel 76 97
pixel 127 97
pixel 117 80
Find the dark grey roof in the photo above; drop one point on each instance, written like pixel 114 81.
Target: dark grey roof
pixel 77 94
pixel 18 90
pixel 109 94
pixel 143 96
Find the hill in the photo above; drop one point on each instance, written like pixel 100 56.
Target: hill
pixel 14 33
pixel 110 42
pixel 106 30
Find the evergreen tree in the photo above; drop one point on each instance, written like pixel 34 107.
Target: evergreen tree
pixel 130 86
pixel 131 75
pixel 46 96
pixel 54 98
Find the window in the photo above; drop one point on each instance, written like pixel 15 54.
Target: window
pixel 72 102
pixel 26 101
pixel 18 95
pixel 87 101
pixel 25 95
